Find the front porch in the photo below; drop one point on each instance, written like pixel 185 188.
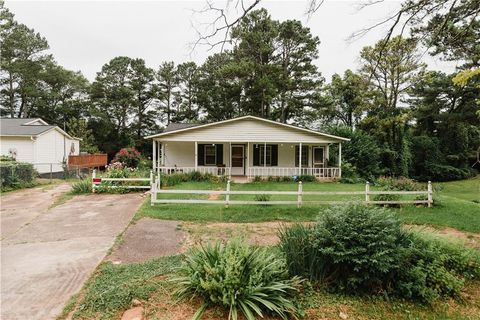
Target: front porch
pixel 247 160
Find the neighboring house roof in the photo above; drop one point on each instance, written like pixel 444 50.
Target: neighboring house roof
pixel 178 126
pixel 27 127
pixel 182 127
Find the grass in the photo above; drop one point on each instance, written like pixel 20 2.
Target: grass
pixel 112 288
pixel 454 205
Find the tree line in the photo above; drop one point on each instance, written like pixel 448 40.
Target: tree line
pixel 403 119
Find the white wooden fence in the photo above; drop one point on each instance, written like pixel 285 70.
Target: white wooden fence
pixel 97 181
pixel 299 193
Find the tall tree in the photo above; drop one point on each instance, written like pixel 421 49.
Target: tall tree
pixel 167 77
pixel 391 67
pixel 22 59
pixel 255 54
pixel 347 99
pixel 188 77
pixel 299 79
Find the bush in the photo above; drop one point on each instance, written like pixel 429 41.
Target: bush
pixel 439 172
pixel 359 249
pixel 15 175
pixel 129 157
pixel 176 178
pixel 81 187
pixel 238 277
pixel 306 178
pixel 262 197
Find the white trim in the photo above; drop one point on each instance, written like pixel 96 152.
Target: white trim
pixel 35 120
pixel 205 154
pixel 243 118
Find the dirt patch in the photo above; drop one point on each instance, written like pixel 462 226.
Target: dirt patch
pixel 214 196
pixel 470 239
pixel 260 233
pixel 147 239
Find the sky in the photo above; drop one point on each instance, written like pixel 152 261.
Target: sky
pixel 84 35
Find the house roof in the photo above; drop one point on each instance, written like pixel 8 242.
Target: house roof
pixel 178 126
pixel 182 127
pixel 27 127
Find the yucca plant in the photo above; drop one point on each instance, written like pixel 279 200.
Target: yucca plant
pixel 238 277
pixel 82 186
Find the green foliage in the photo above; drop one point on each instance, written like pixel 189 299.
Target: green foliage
pixel 306 178
pixel 262 197
pixel 82 187
pixel 362 151
pixel 78 128
pixel 16 175
pixel 168 180
pixel 364 250
pixel 439 172
pixel 239 277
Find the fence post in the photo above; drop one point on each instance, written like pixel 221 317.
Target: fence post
pixel 151 180
pixel 153 194
pixel 430 194
pixel 159 182
pixel 94 175
pixel 367 192
pixel 299 196
pixel 227 195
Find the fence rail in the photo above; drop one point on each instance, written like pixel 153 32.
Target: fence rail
pixel 97 181
pixel 299 193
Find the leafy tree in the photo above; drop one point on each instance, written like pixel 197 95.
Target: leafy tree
pixel 347 99
pixel 78 128
pixel 391 67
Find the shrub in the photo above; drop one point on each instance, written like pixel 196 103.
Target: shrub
pixel 262 197
pixel 241 278
pixel 306 178
pixel 81 187
pixel 400 184
pixel 129 157
pixel 176 178
pixel 359 249
pixel 14 175
pixel 439 172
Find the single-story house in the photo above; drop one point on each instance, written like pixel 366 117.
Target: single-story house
pixel 246 146
pixel 35 141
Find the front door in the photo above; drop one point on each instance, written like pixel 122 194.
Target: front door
pixel 318 157
pixel 238 157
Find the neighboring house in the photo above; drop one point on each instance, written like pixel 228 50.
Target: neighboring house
pixel 37 142
pixel 246 146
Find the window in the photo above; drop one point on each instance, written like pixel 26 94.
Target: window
pixel 304 155
pixel 268 154
pixel 210 155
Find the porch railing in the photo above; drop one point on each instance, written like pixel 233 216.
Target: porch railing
pixel 217 171
pixel 319 173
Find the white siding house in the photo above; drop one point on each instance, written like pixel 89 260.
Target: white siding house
pixel 246 146
pixel 47 147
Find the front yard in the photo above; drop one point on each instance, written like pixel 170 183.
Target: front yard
pixel 113 287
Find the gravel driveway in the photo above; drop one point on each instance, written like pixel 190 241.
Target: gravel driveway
pixel 47 254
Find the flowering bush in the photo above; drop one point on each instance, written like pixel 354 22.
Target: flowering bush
pixel 128 157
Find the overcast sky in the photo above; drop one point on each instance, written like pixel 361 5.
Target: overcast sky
pixel 84 35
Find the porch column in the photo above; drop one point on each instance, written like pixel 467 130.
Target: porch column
pixel 154 155
pixel 196 155
pixel 162 153
pixel 247 165
pixel 340 160
pixel 300 159
pixel 230 159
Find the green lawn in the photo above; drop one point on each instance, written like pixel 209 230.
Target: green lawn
pixel 455 206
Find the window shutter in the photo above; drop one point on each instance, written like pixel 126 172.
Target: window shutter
pixel 256 155
pixel 219 153
pixel 274 154
pixel 201 155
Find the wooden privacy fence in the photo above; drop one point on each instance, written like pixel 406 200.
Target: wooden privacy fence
pixel 97 181
pixel 299 193
pixel 88 160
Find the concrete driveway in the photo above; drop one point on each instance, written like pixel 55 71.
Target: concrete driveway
pixel 47 254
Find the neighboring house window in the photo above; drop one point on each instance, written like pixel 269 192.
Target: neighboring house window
pixel 210 155
pixel 266 157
